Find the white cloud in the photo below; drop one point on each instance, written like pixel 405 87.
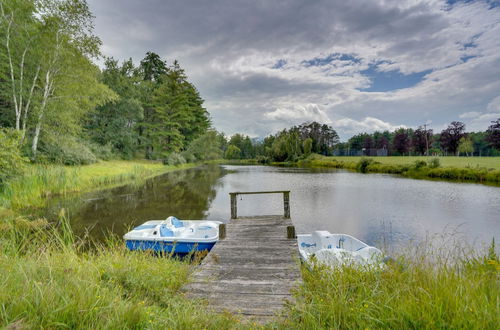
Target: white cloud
pixel 299 114
pixel 230 56
pixel 367 124
pixel 482 122
pixel 494 105
pixel 469 115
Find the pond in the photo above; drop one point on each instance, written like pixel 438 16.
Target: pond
pixel 382 210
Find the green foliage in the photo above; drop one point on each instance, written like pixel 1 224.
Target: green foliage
pixel 114 123
pixel 11 161
pixel 103 152
pixel 418 164
pixel 434 163
pixel 307 146
pixel 207 146
pixel 232 152
pixel 465 146
pixel 174 115
pixel 244 144
pixel 174 159
pixel 493 134
pixel 363 164
pixel 67 151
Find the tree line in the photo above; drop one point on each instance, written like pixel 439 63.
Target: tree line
pixel 56 105
pixel 453 140
pixel 302 140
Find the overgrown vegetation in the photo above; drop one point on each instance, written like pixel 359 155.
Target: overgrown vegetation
pixel 49 281
pixel 424 289
pixel 11 161
pixel 50 278
pixel 41 181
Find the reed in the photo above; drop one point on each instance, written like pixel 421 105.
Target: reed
pixel 52 279
pixel 456 290
pixel 49 280
pixel 41 181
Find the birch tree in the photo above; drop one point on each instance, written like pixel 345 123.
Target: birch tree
pixel 68 79
pixel 19 32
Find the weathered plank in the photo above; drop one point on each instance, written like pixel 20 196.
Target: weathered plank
pixel 251 271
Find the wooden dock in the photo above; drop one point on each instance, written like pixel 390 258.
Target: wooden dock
pixel 250 272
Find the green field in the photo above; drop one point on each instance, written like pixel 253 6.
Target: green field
pixel 487 162
pixel 467 169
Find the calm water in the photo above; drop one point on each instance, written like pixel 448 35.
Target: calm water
pixel 379 209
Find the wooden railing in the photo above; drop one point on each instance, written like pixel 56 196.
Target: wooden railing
pixel 234 201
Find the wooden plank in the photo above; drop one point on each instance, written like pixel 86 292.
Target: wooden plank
pixel 259 192
pixel 251 271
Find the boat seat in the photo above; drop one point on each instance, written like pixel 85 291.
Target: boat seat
pixel 165 231
pixel 175 222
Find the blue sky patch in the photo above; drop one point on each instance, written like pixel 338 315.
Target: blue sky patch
pixel 491 3
pixel 321 61
pixel 392 80
pixel 279 64
pixel 467 57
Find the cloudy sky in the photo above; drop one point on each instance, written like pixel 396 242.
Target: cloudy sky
pixel 263 65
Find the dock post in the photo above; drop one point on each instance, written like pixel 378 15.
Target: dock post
pixel 286 204
pixel 290 232
pixel 234 207
pixel 222 231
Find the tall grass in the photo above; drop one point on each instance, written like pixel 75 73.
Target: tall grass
pixel 42 181
pixel 49 281
pixel 424 290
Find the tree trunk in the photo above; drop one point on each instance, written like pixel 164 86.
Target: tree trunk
pixel 34 146
pixel 46 93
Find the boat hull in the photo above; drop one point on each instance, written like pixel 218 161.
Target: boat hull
pixel 168 246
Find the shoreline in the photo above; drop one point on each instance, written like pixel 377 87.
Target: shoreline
pixel 44 181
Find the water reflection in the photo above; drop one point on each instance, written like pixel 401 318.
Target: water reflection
pixel 379 209
pixel 186 194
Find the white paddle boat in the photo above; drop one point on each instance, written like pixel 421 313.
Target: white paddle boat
pixel 336 250
pixel 174 236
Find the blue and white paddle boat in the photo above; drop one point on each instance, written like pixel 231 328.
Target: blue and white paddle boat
pixel 336 250
pixel 174 236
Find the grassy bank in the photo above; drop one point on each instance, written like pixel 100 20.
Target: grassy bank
pixel 48 281
pixel 423 292
pixel 482 170
pixel 42 181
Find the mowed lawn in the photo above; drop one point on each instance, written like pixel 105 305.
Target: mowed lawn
pixel 487 162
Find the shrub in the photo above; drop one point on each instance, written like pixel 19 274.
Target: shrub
pixel 188 156
pixel 418 164
pixel 233 152
pixel 67 151
pixel 11 161
pixel 434 163
pixel 363 164
pixel 104 152
pixel 263 159
pixel 174 159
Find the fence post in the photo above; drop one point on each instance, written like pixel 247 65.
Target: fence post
pixel 286 204
pixel 234 206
